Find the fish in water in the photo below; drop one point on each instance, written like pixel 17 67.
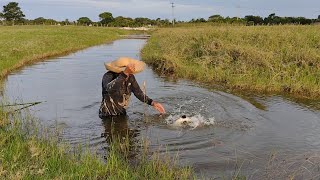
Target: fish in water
pixel 183 121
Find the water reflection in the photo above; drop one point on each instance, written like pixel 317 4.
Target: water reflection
pixel 117 128
pixel 120 136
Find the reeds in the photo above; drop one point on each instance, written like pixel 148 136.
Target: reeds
pixel 282 59
pixel 29 151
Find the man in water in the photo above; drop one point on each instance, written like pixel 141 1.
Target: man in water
pixel 116 92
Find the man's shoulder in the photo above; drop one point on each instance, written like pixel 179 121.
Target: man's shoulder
pixel 132 77
pixel 110 73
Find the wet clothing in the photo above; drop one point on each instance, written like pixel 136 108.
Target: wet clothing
pixel 116 92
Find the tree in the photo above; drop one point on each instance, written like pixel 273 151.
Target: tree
pixel 273 19
pixel 121 21
pixel 66 22
pixel 106 18
pixel 199 20
pixel 253 20
pixel 84 21
pixel 216 18
pixel 12 12
pixel 39 20
pixel 141 21
pixel 1 18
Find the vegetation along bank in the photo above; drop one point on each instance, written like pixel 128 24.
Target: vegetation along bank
pixel 27 152
pixel 258 58
pixel 20 45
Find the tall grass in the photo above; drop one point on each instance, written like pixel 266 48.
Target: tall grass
pixel 261 58
pixel 20 45
pixel 26 152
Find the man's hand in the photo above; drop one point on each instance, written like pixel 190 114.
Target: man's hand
pixel 129 69
pixel 158 107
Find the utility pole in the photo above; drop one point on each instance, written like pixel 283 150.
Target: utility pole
pixel 172 5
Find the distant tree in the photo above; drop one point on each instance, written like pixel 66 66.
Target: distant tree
pixel 165 22
pixel 254 19
pixel 162 22
pixel 140 21
pixel 84 21
pixel 273 19
pixel 269 19
pixel 39 20
pixel 44 21
pixel 234 20
pixel 272 15
pixel 303 20
pixel 288 20
pixel 66 22
pixel 12 12
pixel 216 18
pixel 121 21
pixel 199 20
pixel 106 18
pixel 51 22
pixel 1 18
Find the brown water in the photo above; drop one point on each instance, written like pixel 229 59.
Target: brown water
pixel 242 137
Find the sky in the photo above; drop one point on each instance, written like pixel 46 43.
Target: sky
pixel 184 9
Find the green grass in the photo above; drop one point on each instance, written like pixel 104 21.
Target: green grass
pixel 283 59
pixel 20 45
pixel 27 153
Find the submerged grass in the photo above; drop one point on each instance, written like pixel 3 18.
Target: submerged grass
pixel 25 153
pixel 20 45
pixel 260 58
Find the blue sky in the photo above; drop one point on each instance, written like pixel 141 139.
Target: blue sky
pixel 184 9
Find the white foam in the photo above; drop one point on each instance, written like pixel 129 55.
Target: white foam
pixel 189 121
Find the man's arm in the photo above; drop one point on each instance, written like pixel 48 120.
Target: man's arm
pixel 135 88
pixel 107 78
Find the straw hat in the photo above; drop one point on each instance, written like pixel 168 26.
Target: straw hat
pixel 120 64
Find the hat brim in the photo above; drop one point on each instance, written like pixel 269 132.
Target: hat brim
pixel 120 64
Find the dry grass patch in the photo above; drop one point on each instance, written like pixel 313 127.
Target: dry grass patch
pixel 265 58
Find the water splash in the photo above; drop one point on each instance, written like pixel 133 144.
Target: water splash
pixel 184 121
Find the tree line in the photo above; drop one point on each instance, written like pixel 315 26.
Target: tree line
pixel 272 19
pixel 12 14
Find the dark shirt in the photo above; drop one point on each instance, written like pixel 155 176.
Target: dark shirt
pixel 116 92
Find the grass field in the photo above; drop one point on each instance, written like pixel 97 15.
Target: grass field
pixel 20 45
pixel 283 59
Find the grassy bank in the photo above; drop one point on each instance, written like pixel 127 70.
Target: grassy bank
pixel 266 58
pixel 20 45
pixel 24 154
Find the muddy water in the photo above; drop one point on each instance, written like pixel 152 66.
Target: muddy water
pixel 242 136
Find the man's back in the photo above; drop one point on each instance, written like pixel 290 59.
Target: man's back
pixel 116 92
